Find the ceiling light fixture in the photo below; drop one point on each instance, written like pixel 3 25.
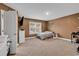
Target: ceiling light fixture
pixel 47 13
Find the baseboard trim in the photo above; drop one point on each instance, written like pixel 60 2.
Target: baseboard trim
pixel 55 37
pixel 29 37
pixel 65 39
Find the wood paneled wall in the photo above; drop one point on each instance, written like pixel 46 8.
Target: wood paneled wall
pixel 26 25
pixel 4 7
pixel 44 26
pixel 65 25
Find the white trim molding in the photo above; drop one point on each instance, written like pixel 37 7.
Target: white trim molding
pixel 65 39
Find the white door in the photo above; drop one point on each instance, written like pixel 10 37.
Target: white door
pixel 10 28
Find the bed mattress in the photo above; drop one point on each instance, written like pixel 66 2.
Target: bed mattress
pixel 44 35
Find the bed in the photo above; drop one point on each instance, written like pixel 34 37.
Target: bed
pixel 44 35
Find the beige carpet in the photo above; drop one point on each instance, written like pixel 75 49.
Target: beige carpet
pixel 49 47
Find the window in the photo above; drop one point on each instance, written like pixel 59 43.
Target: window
pixel 34 27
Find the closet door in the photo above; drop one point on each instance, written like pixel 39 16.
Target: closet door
pixel 10 28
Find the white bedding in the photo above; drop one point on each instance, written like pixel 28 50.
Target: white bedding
pixel 44 35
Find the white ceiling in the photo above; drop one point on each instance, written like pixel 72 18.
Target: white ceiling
pixel 45 11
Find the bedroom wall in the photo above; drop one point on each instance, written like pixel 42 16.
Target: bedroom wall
pixel 64 25
pixel 45 26
pixel 4 7
pixel 26 25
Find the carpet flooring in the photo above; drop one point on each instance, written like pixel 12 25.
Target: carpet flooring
pixel 48 47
